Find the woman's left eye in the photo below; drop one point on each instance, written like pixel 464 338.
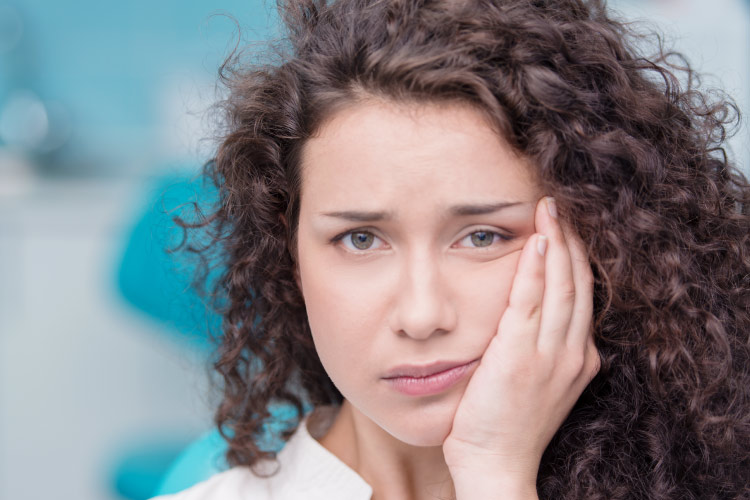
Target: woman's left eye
pixel 483 238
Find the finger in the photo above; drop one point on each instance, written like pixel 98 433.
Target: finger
pixel 593 360
pixel 559 290
pixel 519 325
pixel 580 331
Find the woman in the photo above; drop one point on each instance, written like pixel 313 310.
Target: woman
pixel 501 254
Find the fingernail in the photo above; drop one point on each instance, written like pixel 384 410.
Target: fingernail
pixel 541 245
pixel 551 206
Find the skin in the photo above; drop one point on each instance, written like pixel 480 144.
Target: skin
pixel 427 285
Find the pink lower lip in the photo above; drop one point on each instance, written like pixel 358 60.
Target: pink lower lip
pixel 433 384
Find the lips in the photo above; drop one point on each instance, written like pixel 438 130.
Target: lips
pixel 428 380
pixel 421 371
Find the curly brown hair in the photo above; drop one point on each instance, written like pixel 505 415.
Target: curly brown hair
pixel 633 157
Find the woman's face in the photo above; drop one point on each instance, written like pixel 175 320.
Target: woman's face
pixel 406 254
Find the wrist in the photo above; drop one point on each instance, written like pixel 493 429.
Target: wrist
pixel 495 489
pixel 484 482
pixel 479 475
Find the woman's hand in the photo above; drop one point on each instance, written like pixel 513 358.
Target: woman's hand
pixel 533 370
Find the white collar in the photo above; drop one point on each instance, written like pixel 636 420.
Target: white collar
pixel 311 471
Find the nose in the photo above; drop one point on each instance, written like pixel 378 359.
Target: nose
pixel 423 305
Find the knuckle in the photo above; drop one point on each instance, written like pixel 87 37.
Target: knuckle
pixel 574 364
pixel 597 365
pixel 538 274
pixel 533 311
pixel 568 293
pixel 594 362
pixel 525 307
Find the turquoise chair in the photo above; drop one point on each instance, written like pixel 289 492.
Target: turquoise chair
pixel 157 283
pixel 199 461
pixel 205 456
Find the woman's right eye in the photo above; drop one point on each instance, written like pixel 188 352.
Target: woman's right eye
pixel 358 241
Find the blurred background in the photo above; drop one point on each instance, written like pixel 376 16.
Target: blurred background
pixel 103 128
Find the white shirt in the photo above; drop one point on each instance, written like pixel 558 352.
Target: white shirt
pixel 306 470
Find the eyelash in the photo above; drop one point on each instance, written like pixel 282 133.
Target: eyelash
pixel 501 237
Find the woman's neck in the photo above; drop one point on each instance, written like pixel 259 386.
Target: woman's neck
pixel 394 470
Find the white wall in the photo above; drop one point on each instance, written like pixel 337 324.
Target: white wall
pixel 714 35
pixel 82 377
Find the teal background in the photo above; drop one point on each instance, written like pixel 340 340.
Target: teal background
pixel 112 65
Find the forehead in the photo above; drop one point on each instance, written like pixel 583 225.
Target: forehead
pixel 385 153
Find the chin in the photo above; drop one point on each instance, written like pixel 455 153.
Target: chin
pixel 422 425
pixel 422 436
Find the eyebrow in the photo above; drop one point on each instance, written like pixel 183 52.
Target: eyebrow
pixel 456 211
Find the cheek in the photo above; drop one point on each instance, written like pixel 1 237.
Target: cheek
pixel 484 291
pixel 344 308
pixel 342 295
